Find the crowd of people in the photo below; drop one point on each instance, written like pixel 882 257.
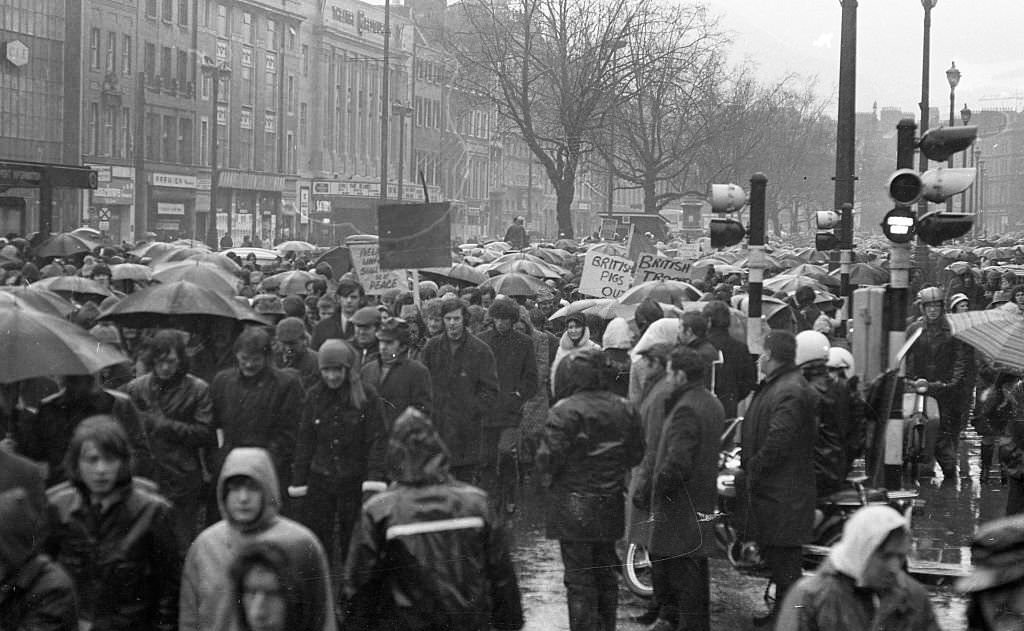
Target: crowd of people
pixel 353 462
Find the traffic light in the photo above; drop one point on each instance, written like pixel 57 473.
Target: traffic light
pixel 826 238
pixel 907 187
pixel 725 199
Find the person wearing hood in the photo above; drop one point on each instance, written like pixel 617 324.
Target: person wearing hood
pixel 340 446
pixel 455 572
pixel 616 342
pixel 862 584
pixel 575 338
pixel 178 412
pixel 400 380
pixel 38 594
pixel 268 592
pixel 114 534
pixel 249 500
pixel 591 439
pixel 663 331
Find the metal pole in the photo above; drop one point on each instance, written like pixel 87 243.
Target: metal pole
pixel 952 123
pixel 139 158
pixel 214 141
pixel 385 115
pixel 922 252
pixel 756 263
pixel 45 204
pixel 846 151
pixel 401 153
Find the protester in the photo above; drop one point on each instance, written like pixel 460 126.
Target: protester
pixel 400 380
pixel 466 388
pixel 114 534
pixel 575 338
pixel 737 375
pixel 616 342
pixel 591 440
pixel 365 321
pixel 178 411
pixel 812 349
pixel 863 584
pixel 269 596
pixel 663 331
pixel 340 445
pixel 516 234
pixel 996 582
pixel 293 352
pixel 249 502
pixel 693 328
pixel 339 325
pixel 778 463
pixel 456 573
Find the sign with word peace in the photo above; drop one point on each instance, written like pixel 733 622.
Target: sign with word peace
pixel 605 275
pixel 366 263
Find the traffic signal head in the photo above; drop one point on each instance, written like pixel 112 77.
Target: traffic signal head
pixel 825 241
pixel 726 232
pixel 898 225
pixel 938 226
pixel 940 184
pixel 726 198
pixel 941 143
pixel 905 187
pixel 827 219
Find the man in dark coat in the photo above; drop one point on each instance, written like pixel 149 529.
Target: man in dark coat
pixel 737 375
pixel 340 326
pixel 591 439
pixel 778 461
pixel 400 381
pixel 516 234
pixel 517 383
pixel 17 472
pixel 364 340
pixel 293 351
pixel 682 494
pixel 465 387
pixel 693 329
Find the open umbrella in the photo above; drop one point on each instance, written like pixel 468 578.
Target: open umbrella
pixel 294 246
pixel 177 254
pixel 669 291
pixel 498 246
pixel 131 271
pixel 865 274
pixel 537 269
pixel 36 344
pixel 191 243
pixel 817 272
pixel 199 273
pixel 217 260
pixel 616 309
pixel 515 284
pixel 553 256
pixel 790 283
pixel 171 304
pixel 579 306
pixel 290 283
pixel 153 249
pixel 262 255
pixel 35 298
pixel 65 244
pixel 997 334
pixel 74 286
pixel 613 249
pixel 567 244
pixel 461 272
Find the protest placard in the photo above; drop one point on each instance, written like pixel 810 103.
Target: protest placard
pixel 653 267
pixel 366 264
pixel 605 275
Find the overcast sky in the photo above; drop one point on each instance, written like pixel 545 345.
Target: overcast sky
pixel 982 36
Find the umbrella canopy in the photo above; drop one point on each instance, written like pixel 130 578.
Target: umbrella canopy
pixel 167 304
pixel 515 284
pixel 770 306
pixel 294 246
pixel 262 255
pixel 817 272
pixel 997 334
pixel 191 243
pixel 537 269
pixel 668 291
pixel 866 274
pixel 35 298
pixel 790 283
pixel 580 306
pixel 176 254
pixel 461 272
pixel 813 256
pixel 498 246
pixel 567 244
pixel 199 273
pixel 553 256
pixel 73 286
pixel 217 260
pixel 65 244
pixel 290 283
pixel 36 344
pixel 616 309
pixel 613 249
pixel 131 271
pixel 153 249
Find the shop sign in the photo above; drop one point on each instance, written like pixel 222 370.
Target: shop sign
pixel 165 208
pixel 17 53
pixel 167 225
pixel 173 180
pixel 114 193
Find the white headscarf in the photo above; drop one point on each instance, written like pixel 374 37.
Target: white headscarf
pixel 863 532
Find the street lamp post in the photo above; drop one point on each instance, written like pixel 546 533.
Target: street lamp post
pixel 921 253
pixel 216 72
pixel 402 112
pixel 965 117
pixel 953 77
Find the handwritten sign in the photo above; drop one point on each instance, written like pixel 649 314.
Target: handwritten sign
pixel 366 263
pixel 605 276
pixel 653 267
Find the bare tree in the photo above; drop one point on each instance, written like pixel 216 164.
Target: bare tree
pixel 551 67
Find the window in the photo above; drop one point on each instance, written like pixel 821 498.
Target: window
pixel 152 137
pixel 303 121
pixel 205 15
pixel 170 138
pixel 246 56
pixel 305 60
pixel 94 49
pixel 150 8
pixel 182 69
pixel 167 14
pixel 94 122
pixel 109 130
pixel 204 141
pixel 222 115
pixel 271 62
pixel 292 36
pixel 149 60
pixel 223 88
pixel 291 94
pixel 245 122
pixel 271 34
pixel 222 20
pixel 185 140
pixel 126 133
pixel 183 12
pixel 270 122
pixel 248 27
pixel 165 62
pixel 126 54
pixel 110 59
pixel 204 87
pixel 222 50
pixel 290 168
pixel 270 142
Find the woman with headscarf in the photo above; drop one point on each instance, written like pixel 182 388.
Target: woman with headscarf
pixel 575 338
pixel 269 594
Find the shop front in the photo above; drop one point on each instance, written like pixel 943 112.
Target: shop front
pixel 109 206
pixel 254 203
pixel 172 199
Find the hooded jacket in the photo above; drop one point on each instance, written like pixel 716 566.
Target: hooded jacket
pixel 835 599
pixel 35 592
pixel 565 348
pixel 663 331
pixel 206 600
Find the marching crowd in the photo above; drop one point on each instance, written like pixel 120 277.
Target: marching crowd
pixel 352 464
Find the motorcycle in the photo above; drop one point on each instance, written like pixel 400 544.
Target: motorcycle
pixel 744 556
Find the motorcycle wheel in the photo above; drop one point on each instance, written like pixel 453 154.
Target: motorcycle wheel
pixel 637 571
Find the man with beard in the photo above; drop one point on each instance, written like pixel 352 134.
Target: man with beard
pixel 400 381
pixel 179 415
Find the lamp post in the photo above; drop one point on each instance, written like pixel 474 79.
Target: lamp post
pixel 953 77
pixel 402 112
pixel 216 72
pixel 965 118
pixel 385 91
pixel 921 252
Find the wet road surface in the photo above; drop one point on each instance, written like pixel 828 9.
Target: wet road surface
pixel 942 530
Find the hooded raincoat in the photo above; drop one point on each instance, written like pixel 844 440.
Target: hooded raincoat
pixel 567 347
pixel 206 599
